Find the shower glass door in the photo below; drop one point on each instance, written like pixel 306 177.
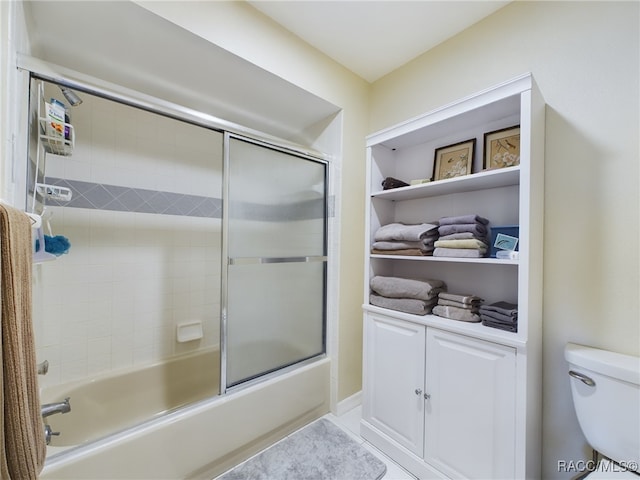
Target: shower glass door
pixel 275 287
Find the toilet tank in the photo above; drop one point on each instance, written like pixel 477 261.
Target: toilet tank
pixel 609 410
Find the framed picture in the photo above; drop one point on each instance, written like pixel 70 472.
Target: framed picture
pixel 502 148
pixel 454 160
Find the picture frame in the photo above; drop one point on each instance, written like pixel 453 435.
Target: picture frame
pixel 502 148
pixel 454 160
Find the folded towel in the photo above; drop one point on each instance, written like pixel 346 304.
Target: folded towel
pixel 402 251
pixel 458 236
pixel 498 317
pixel 466 299
pixel 396 245
pixel 459 252
pixel 404 233
pixel 391 182
pixel 463 219
pixel 501 326
pixel 466 306
pixel 505 308
pixel 456 313
pixel 463 243
pixel 477 229
pixel 407 305
pixel 397 287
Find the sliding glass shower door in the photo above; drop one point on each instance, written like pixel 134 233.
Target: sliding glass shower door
pixel 275 286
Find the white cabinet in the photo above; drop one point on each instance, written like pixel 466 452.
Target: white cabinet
pixel 444 397
pixel 470 406
pixel 482 417
pixel 396 380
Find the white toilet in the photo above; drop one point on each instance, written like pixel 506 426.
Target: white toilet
pixel 606 395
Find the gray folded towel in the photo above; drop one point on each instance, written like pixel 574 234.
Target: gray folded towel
pixel 397 245
pixel 404 233
pixel 459 252
pixel 505 308
pixel 403 251
pixel 501 326
pixel 456 313
pixel 465 299
pixel 396 287
pixel 498 317
pixel 463 219
pixel 477 229
pixel 407 305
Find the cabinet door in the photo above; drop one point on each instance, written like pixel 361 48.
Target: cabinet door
pixel 394 378
pixel 470 406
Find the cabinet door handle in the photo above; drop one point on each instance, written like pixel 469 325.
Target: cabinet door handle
pixel 418 391
pixel 427 396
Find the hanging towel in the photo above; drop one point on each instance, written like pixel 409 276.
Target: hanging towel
pixel 22 447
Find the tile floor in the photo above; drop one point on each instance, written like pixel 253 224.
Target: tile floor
pixel 350 423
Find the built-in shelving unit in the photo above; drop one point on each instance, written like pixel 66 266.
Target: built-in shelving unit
pixel 418 367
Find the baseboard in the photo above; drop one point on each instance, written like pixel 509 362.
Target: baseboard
pixel 349 403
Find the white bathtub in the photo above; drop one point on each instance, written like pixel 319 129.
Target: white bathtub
pixel 200 440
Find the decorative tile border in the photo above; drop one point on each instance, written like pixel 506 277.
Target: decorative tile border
pixel 126 199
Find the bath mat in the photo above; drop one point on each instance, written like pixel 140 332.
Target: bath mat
pixel 319 451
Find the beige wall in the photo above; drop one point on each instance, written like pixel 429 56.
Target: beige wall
pixel 585 59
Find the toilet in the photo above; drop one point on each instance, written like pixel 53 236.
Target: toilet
pixel 606 395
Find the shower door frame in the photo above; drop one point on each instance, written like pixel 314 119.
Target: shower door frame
pixel 31 67
pixel 227 261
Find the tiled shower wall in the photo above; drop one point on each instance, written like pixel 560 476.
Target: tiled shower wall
pixel 144 227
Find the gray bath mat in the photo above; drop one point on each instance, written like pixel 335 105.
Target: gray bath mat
pixel 319 451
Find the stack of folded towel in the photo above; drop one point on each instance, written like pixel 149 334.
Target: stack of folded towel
pixel 462 236
pixel 402 239
pixel 502 315
pixel 458 307
pixel 417 296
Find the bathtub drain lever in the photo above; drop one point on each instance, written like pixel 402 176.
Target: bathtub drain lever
pixel 48 433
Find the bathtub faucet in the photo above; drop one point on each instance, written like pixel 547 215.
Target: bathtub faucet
pixel 53 408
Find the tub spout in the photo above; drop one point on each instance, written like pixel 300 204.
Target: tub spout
pixel 53 408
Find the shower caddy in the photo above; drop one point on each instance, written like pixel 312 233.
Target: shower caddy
pixel 48 143
pixel 446 398
pixel 51 144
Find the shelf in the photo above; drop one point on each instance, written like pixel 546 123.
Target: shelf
pixel 427 258
pixel 503 177
pixel 475 330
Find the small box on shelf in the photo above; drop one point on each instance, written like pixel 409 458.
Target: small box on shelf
pixel 504 237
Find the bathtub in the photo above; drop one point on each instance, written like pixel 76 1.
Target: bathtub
pixel 113 402
pixel 200 440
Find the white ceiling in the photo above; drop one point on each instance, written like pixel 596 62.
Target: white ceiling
pixel 372 38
